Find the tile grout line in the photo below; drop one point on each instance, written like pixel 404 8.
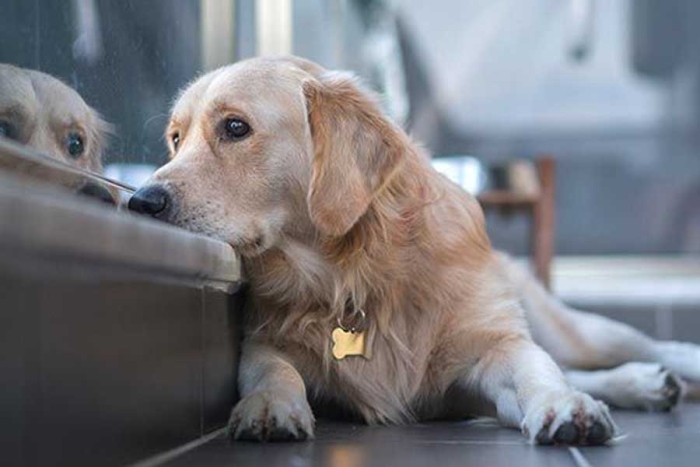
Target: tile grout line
pixel 579 458
pixel 468 442
pixel 202 360
pixel 167 456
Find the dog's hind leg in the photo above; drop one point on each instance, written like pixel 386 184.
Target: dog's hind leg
pixel 582 340
pixel 641 386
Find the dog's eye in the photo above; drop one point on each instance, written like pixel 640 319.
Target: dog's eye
pixel 6 130
pixel 175 138
pixel 75 145
pixel 236 129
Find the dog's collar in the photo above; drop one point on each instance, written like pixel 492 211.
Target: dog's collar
pixel 356 322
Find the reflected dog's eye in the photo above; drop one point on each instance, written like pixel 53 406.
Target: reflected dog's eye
pixel 75 145
pixel 6 130
pixel 175 139
pixel 235 129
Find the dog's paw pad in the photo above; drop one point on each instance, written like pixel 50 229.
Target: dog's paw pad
pixel 567 433
pixel 671 390
pixel 599 433
pixel 570 418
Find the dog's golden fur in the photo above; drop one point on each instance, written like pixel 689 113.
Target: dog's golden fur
pixel 42 111
pixel 413 292
pixel 335 210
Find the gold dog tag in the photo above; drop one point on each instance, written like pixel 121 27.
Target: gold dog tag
pixel 348 343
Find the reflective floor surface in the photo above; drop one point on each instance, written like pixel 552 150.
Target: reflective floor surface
pixel 668 439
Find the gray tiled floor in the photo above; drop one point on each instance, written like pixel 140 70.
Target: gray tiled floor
pixel 651 439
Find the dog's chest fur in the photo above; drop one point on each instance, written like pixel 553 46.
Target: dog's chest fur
pixel 294 293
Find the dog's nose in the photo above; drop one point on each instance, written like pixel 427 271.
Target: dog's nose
pixel 97 191
pixel 152 200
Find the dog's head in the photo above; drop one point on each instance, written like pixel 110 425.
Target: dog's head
pixel 42 112
pixel 272 147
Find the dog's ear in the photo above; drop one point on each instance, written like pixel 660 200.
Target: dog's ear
pixel 99 132
pixel 356 151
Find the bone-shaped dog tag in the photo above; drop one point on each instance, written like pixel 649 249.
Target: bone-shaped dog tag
pixel 348 343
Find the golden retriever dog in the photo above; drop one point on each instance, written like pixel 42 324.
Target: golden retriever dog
pixel 40 111
pixel 373 286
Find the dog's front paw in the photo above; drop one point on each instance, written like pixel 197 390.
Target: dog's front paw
pixel 269 416
pixel 568 417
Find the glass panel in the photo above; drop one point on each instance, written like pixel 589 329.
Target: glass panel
pixel 89 83
pixel 589 83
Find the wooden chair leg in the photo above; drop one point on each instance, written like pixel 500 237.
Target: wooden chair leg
pixel 543 221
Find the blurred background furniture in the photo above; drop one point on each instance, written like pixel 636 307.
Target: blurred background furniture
pixel 517 189
pixel 518 186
